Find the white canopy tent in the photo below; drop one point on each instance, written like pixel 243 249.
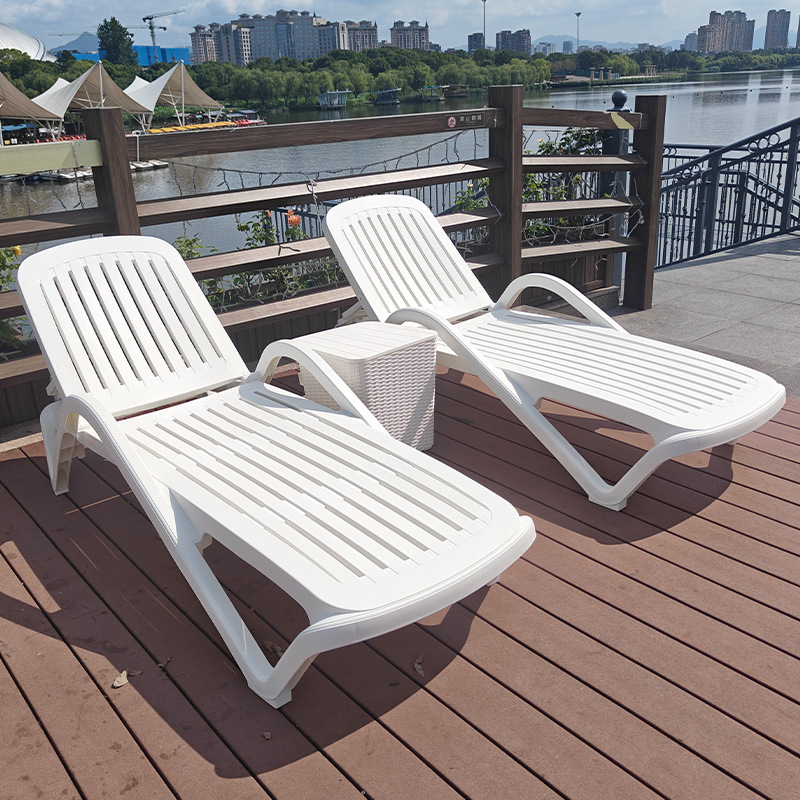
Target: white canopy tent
pixel 92 90
pixel 175 88
pixel 15 105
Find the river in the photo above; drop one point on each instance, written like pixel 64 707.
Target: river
pixel 714 109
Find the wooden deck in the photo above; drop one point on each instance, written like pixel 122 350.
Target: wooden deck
pixel 652 653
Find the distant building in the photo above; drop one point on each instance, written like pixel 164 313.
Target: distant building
pixel 545 47
pixel 736 31
pixel 233 42
pixel 204 47
pixel 567 46
pixel 777 34
pixel 519 41
pixel 475 42
pixel 708 39
pixel 690 42
pixel 362 35
pixel 411 37
pixel 285 34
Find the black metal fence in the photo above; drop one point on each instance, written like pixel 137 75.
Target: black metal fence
pixel 715 199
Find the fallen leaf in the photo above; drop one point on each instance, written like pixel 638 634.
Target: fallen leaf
pixel 267 735
pixel 132 673
pixel 120 680
pixel 418 667
pixel 274 648
pixel 164 665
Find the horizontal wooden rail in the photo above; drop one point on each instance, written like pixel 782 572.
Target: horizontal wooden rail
pixel 604 120
pixel 550 252
pixel 268 137
pixel 574 208
pixel 54 226
pixel 632 163
pixel 157 212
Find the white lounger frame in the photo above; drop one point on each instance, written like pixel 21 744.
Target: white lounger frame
pixel 404 268
pixel 366 533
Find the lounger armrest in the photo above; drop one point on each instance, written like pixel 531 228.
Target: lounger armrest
pixel 295 350
pixel 564 290
pixel 473 362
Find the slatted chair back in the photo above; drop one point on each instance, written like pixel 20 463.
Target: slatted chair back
pixel 396 255
pixel 122 318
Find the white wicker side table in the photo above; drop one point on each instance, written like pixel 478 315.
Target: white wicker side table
pixel 392 370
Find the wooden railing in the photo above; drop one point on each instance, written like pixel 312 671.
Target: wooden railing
pixel 22 381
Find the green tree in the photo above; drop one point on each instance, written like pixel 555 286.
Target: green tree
pixel 65 59
pixel 115 40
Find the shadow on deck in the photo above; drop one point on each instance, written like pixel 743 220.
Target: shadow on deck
pixel 642 654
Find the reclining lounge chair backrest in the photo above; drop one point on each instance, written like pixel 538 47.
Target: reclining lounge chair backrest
pixel 122 319
pixel 396 256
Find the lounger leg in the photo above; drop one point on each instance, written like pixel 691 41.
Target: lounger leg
pixel 60 447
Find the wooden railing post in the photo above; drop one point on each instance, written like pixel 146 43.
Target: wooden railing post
pixel 112 181
pixel 649 144
pixel 505 190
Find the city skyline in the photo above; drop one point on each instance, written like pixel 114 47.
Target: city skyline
pixel 656 21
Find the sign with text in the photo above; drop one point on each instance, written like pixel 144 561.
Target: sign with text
pixel 459 120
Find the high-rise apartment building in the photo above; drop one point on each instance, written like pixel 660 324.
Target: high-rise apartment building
pixel 203 46
pixel 475 42
pixel 777 34
pixel 233 43
pixel 546 48
pixel 411 37
pixel 519 41
pixel 690 42
pixel 709 38
pixel 567 46
pixel 736 31
pixel 362 35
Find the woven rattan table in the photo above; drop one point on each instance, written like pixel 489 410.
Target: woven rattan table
pixel 391 368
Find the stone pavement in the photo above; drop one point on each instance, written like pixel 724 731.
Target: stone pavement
pixel 741 304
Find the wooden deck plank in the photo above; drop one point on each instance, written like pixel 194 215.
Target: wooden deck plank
pixel 657 760
pixel 650 506
pixel 678 600
pixel 464 757
pixel 29 766
pixel 328 708
pixel 166 722
pixel 287 765
pixel 682 503
pixel 514 722
pixel 647 653
pixel 743 762
pixel 105 759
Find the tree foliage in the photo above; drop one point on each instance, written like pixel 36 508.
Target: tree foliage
pixel 114 39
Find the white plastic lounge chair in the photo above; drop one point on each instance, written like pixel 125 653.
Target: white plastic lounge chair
pixel 366 533
pixel 404 268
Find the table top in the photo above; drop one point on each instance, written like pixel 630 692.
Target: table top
pixel 366 340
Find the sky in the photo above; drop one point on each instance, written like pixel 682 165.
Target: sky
pixel 450 21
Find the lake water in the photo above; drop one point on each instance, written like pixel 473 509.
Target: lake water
pixel 715 109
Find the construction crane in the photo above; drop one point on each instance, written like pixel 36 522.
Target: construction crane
pixel 150 17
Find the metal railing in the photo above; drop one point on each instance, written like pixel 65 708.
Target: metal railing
pixel 728 196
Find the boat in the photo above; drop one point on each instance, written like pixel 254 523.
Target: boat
pixel 432 94
pixel 387 97
pixel 336 98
